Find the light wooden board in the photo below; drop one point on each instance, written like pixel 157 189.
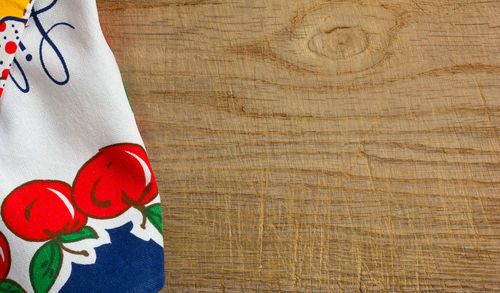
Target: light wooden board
pixel 319 146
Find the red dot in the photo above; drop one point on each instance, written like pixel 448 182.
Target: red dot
pixel 10 47
pixel 1 91
pixel 5 73
pixel 3 26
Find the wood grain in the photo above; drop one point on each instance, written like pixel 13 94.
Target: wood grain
pixel 319 146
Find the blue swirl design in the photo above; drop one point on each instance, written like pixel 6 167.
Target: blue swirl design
pixel 46 43
pixel 12 18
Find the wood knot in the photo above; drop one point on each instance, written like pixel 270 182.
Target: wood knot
pixel 337 38
pixel 339 42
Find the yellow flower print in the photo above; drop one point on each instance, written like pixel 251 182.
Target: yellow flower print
pixel 13 8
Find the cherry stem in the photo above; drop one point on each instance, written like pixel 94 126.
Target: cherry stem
pixel 144 221
pixel 82 252
pixel 141 209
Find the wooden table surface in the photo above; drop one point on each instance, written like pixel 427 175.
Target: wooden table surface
pixel 319 146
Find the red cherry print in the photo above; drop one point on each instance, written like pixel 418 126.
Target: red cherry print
pixel 5 73
pixel 3 27
pixel 4 258
pixel 10 47
pixel 41 210
pixel 117 178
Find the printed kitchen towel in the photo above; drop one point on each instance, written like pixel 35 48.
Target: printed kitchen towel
pixel 80 208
